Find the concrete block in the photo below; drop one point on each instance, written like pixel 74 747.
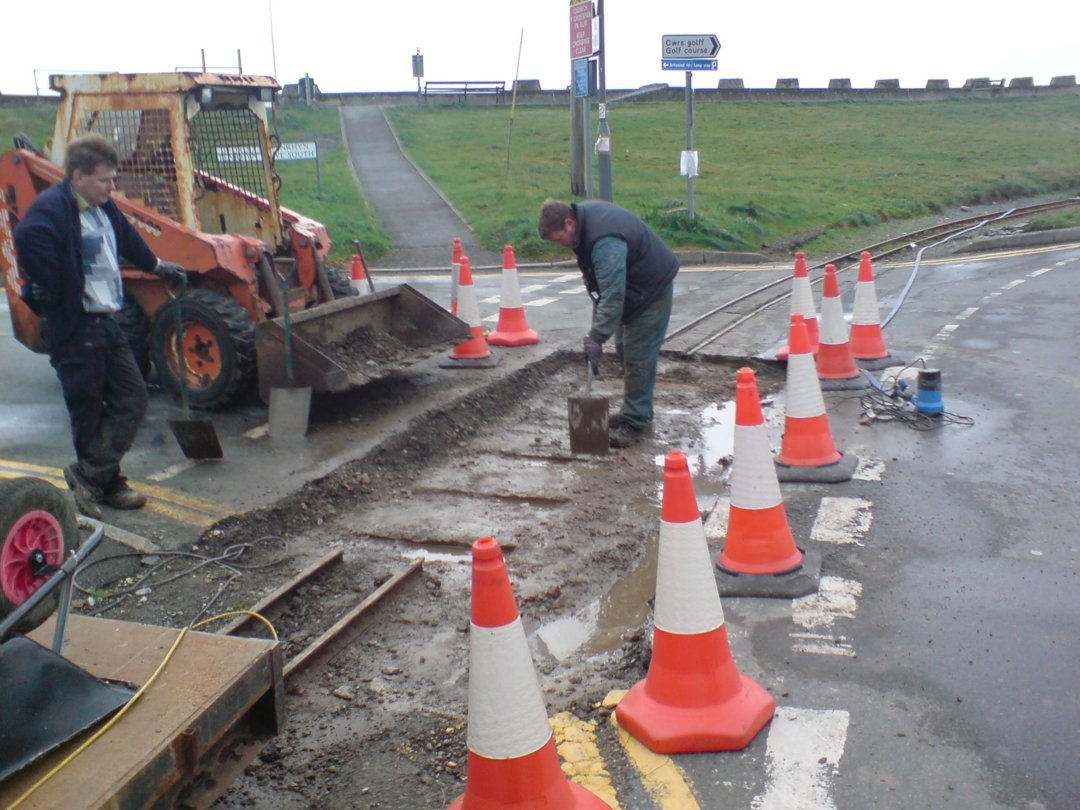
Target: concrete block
pixel 730 84
pixel 887 84
pixel 787 84
pixel 937 84
pixel 1023 81
pixel 839 84
pixel 1063 81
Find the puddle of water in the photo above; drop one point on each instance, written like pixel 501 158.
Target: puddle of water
pixel 599 627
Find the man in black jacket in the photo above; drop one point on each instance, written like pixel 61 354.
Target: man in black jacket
pixel 69 245
pixel 629 273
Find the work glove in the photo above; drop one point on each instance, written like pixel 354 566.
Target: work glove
pixel 170 272
pixel 594 349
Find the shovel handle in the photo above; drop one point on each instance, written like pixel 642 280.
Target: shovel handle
pixel 181 363
pixel 588 376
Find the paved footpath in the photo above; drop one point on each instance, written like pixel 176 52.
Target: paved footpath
pixel 421 222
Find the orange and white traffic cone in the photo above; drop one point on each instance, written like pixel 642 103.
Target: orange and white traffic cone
pixel 802 301
pixel 867 341
pixel 694 698
pixel 836 369
pixel 512 761
pixel 807 451
pixel 512 329
pixel 760 557
pixel 456 252
pixel 359 276
pixel 474 352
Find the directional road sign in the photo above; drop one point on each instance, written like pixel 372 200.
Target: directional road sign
pixel 689 46
pixel 688 64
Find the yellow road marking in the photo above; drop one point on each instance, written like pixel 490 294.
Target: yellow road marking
pixel 575 741
pixel 660 775
pixel 163 501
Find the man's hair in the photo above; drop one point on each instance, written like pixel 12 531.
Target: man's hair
pixel 553 216
pixel 87 152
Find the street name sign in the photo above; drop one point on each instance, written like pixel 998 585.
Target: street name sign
pixel 688 64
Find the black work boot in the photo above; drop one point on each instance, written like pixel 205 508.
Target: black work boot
pixel 87 495
pixel 122 496
pixel 624 435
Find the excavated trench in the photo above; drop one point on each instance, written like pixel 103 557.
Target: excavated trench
pixel 382 722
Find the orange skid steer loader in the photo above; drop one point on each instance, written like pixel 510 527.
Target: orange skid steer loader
pixel 197 178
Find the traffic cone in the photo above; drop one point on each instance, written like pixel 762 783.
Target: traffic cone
pixel 693 698
pixel 456 253
pixel 358 275
pixel 836 369
pixel 512 761
pixel 760 557
pixel 802 301
pixel 867 341
pixel 474 352
pixel 807 452
pixel 512 329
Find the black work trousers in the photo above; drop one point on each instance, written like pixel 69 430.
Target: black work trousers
pixel 105 395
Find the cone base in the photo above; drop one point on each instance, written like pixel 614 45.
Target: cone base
pixel 856 383
pixel 807 442
pixel 879 363
pixel 842 470
pixel 531 782
pixel 804 580
pixel 730 725
pixel 526 338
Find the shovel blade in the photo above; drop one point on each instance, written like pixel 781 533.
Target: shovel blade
pixel 197 438
pixel 289 411
pixel 588 417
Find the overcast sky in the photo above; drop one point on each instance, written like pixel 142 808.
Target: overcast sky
pixel 367 45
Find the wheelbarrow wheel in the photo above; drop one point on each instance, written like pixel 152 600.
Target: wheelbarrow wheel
pixel 37 525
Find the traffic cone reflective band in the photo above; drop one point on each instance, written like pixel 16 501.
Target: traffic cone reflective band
pixel 512 761
pixel 807 445
pixel 356 273
pixel 512 329
pixel 867 342
pixel 802 302
pixel 835 366
pixel 759 539
pixel 474 352
pixel 694 698
pixel 456 253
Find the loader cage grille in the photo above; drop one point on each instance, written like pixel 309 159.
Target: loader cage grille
pixel 226 146
pixel 147 170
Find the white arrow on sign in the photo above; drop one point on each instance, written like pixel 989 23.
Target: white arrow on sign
pixel 689 46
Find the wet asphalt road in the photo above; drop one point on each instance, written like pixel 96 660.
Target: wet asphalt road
pixel 959 603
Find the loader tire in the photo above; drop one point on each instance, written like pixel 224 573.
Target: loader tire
pixel 136 328
pixel 219 348
pixel 340 285
pixel 35 516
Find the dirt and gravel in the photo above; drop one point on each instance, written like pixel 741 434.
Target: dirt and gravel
pixel 381 722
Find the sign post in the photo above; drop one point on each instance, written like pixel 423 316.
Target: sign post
pixel 689 52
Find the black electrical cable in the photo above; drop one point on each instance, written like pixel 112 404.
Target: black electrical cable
pixel 885 402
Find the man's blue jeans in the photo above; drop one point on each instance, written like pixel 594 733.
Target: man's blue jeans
pixel 639 342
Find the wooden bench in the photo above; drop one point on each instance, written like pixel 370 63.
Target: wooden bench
pixel 465 89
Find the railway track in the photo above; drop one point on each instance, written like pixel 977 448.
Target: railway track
pixel 748 305
pixel 317 611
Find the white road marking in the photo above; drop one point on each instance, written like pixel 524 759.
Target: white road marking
pixel 258 432
pixel 869 469
pixel 802 755
pixel 841 520
pixel 967 313
pixel 531 288
pixel 492 299
pixel 541 302
pixel 821 644
pixel 172 470
pixel 1012 284
pixel 572 291
pixel 836 599
pixel 1039 272
pixel 567 277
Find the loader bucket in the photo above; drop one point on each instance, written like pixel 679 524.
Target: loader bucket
pixel 351 341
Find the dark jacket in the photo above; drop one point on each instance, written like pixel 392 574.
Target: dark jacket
pixel 650 264
pixel 48 243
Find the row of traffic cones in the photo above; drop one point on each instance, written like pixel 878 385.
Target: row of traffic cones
pixel 513 327
pixel 693 698
pixel 839 352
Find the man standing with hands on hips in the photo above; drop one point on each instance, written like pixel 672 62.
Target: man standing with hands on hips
pixel 629 273
pixel 69 245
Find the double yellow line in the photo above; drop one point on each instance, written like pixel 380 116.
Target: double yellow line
pixel 162 501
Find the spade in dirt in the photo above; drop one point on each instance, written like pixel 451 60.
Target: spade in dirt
pixel 290 407
pixel 588 416
pixel 196 437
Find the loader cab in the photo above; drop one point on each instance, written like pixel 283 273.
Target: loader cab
pixel 194 147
